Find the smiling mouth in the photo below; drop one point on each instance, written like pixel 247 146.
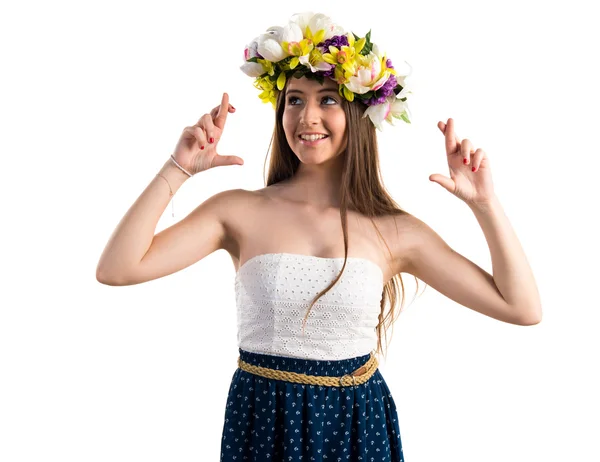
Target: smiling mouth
pixel 312 142
pixel 312 138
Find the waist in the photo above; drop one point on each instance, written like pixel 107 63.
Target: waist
pixel 353 370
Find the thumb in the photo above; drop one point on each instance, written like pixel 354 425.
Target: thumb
pixel 444 181
pixel 220 160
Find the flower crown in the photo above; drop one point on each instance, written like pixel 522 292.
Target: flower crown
pixel 312 45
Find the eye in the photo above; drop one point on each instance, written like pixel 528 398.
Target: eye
pixel 327 100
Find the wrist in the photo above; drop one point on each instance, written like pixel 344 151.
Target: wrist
pixel 174 161
pixel 173 173
pixel 485 206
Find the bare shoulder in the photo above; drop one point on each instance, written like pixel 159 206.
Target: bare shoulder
pixel 403 232
pixel 406 223
pixel 236 208
pixel 417 237
pixel 232 202
pixel 224 203
pixel 232 197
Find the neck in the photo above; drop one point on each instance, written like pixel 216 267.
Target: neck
pixel 316 186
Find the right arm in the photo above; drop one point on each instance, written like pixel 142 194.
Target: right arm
pixel 134 254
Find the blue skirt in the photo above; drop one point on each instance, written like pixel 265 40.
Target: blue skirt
pixel 275 420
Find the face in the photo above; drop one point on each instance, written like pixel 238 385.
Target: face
pixel 314 120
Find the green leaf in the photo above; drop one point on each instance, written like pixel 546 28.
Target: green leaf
pixel 368 45
pixel 368 94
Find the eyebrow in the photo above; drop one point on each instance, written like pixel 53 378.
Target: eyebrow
pixel 322 90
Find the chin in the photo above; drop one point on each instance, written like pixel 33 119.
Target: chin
pixel 316 159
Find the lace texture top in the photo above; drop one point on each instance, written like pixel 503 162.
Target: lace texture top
pixel 273 293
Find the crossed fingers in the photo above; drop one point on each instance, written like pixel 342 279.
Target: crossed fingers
pixel 464 148
pixel 210 126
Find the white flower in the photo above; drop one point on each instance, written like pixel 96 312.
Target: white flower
pixel 392 108
pixel 320 21
pixel 402 73
pixel 302 19
pixel 291 33
pixel 316 22
pixel 368 78
pixel 252 69
pixel 269 44
pixel 321 66
pixel 251 50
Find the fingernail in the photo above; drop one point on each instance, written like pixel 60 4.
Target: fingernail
pixel 212 140
pixel 201 147
pixel 232 108
pixel 473 169
pixel 465 160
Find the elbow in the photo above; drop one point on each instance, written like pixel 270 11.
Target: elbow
pixel 106 280
pixel 532 317
pixel 101 277
pixel 531 322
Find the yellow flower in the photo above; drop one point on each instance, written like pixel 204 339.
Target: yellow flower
pixel 316 38
pixel 359 45
pixel 348 94
pixel 333 56
pixel 304 52
pixel 268 90
pixel 341 75
pixel 314 60
pixel 345 58
pixel 297 49
pixel 370 75
pixel 267 65
pixel 281 81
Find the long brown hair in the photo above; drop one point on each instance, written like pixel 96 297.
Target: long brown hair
pixel 361 189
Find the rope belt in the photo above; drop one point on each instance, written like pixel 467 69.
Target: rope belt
pixel 359 376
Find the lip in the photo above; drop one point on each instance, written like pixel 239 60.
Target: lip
pixel 312 143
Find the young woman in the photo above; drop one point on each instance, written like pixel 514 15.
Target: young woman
pixel 319 251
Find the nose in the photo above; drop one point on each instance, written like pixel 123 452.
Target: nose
pixel 311 114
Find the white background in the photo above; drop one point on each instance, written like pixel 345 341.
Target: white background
pixel 94 96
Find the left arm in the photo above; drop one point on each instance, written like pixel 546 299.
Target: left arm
pixel 510 295
pixel 512 274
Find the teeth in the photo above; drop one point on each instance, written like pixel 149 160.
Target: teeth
pixel 312 137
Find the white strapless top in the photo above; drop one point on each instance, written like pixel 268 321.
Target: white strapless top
pixel 273 292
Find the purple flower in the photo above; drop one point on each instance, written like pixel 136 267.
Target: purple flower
pixel 386 90
pixel 388 63
pixel 337 41
pixel 329 73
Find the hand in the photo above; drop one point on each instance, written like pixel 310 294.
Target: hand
pixel 470 181
pixel 196 150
